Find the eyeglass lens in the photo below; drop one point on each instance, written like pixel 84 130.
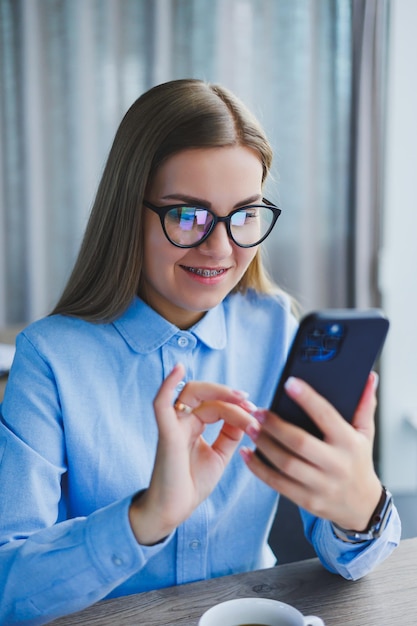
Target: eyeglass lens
pixel 187 225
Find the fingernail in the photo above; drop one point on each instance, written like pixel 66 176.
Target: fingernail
pixel 249 406
pixel 252 431
pixel 245 453
pixel 259 415
pixel 241 394
pixel 293 385
pixel 376 380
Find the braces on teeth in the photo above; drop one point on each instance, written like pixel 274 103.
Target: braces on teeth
pixel 206 273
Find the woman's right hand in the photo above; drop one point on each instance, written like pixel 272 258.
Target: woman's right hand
pixel 187 468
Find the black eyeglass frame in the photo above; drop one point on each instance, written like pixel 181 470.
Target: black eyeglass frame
pixel 161 211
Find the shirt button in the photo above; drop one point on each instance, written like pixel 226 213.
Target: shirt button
pixel 180 386
pixel 194 544
pixel 183 342
pixel 117 560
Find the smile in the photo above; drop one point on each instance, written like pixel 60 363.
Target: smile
pixel 204 272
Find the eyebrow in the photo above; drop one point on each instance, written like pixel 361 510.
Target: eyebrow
pixel 194 200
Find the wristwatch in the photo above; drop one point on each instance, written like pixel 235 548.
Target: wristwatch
pixel 377 523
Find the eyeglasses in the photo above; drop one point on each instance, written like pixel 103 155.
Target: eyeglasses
pixel 188 226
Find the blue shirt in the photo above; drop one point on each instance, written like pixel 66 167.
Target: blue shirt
pixel 78 438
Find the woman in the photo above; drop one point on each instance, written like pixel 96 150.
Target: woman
pixel 108 488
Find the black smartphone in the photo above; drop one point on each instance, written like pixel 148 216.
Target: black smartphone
pixel 334 351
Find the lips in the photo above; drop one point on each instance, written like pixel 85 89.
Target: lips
pixel 204 271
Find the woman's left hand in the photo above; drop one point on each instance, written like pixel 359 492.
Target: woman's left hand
pixel 333 478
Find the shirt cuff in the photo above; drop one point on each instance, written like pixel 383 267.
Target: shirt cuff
pixel 112 545
pixel 355 560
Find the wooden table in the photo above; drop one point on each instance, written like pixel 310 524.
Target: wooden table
pixel 386 597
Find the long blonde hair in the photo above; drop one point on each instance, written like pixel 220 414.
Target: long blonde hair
pixel 165 120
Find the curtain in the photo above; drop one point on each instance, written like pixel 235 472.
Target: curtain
pixel 368 122
pixel 69 69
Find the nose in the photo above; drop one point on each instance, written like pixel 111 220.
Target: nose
pixel 217 244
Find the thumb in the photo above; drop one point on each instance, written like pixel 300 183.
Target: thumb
pixel 164 398
pixel 363 420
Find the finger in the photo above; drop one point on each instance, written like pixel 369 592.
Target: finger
pixel 163 399
pixel 196 392
pixel 333 426
pixel 213 411
pixel 183 408
pixel 278 480
pixel 297 467
pixel 363 420
pixel 227 441
pixel 277 434
pixel 276 431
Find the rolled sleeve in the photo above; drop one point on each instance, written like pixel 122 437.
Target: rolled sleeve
pixel 351 560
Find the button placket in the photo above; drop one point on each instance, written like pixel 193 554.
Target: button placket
pixel 179 350
pixel 192 542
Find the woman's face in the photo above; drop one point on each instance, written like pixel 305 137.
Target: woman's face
pixel 174 281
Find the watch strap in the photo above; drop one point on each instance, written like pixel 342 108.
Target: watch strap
pixel 376 525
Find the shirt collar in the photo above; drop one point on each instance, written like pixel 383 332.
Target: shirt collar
pixel 145 330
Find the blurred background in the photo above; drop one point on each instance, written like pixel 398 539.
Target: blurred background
pixel 332 81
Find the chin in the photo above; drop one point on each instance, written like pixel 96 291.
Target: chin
pixel 202 306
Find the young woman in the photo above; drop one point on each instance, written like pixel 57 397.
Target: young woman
pixel 124 407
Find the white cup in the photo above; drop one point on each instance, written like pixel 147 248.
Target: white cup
pixel 257 611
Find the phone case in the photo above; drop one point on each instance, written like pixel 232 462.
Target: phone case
pixel 334 351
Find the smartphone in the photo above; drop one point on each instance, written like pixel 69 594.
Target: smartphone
pixel 334 351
